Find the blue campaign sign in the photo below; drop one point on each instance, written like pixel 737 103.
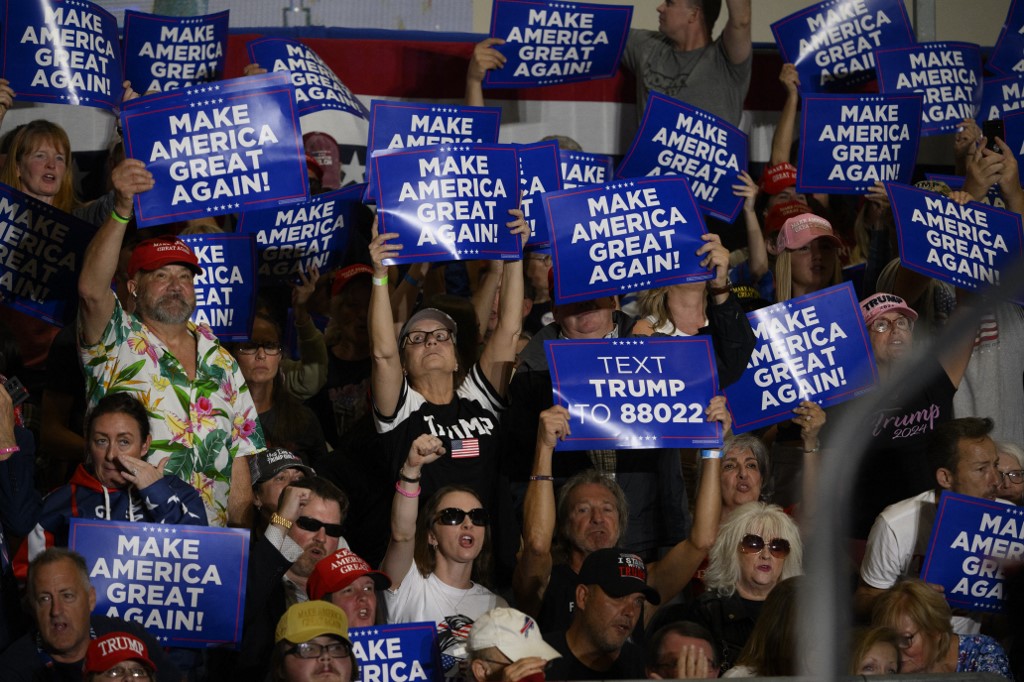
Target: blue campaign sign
pixel 968 246
pixel 629 235
pixel 580 169
pixel 972 540
pixel 539 172
pixel 813 347
pixel 42 255
pixel 849 142
pixel 1007 56
pixel 61 52
pixel 636 393
pixel 679 139
pixel 1014 128
pixel 225 295
pixel 556 42
pixel 993 198
pixel 832 43
pixel 947 75
pixel 400 125
pixel 449 202
pixel 184 584
pixel 168 53
pixel 397 652
pixel 1001 97
pixel 220 148
pixel 292 239
pixel 317 88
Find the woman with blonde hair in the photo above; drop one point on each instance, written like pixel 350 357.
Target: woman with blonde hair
pixel 806 257
pixel 757 547
pixel 921 618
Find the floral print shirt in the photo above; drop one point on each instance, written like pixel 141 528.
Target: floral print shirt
pixel 200 425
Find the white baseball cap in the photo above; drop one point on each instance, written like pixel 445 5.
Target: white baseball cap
pixel 511 632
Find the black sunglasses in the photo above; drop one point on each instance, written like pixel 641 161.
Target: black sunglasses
pixel 753 544
pixel 454 516
pixel 314 525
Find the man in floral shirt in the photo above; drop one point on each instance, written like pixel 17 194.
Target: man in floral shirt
pixel 203 420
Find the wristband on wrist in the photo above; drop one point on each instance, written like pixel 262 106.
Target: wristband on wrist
pixel 711 454
pixel 281 521
pixel 119 218
pixel 816 448
pixel 379 281
pixel 542 478
pixel 407 479
pixel 404 493
pixel 716 291
pixel 10 451
pixel 412 280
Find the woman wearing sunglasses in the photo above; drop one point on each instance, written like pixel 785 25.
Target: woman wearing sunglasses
pixel 439 557
pixel 757 547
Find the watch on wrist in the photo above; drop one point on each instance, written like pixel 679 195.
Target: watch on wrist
pixel 281 521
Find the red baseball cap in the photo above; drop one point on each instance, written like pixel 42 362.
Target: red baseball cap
pixel 338 571
pixel 154 253
pixel 116 647
pixel 780 213
pixel 778 177
pixel 343 277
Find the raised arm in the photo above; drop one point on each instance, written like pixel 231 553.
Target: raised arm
pixel 757 252
pixel 403 297
pixel 670 574
pixel 782 138
pixel 499 353
pixel 484 58
pixel 6 98
pixel 100 262
pixel 737 37
pixel 386 371
pixel 405 507
pixel 1009 179
pixel 533 570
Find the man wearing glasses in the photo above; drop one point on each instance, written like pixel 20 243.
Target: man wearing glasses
pixel 312 644
pixel 305 529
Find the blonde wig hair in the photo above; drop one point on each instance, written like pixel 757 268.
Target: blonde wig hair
pixel 758 518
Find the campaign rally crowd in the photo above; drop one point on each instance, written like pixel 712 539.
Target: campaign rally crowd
pixel 388 435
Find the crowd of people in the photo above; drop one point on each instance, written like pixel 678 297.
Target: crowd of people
pixel 388 436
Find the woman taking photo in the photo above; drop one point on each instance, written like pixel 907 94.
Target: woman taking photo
pixel 114 483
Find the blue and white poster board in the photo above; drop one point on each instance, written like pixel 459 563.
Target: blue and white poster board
pixel 539 172
pixel 947 76
pixel 635 393
pixel 814 347
pixel 850 142
pixel 402 125
pixel 832 43
pixel 971 541
pixel 676 138
pixel 61 52
pixel 449 202
pixel 294 238
pixel 317 87
pixel 581 169
pixel 993 198
pixel 220 148
pixel 225 295
pixel 967 246
pixel 407 651
pixel 1007 57
pixel 42 256
pixel 622 237
pixel 184 584
pixel 556 42
pixel 1001 97
pixel 168 53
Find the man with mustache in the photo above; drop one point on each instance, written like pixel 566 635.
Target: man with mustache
pixel 203 419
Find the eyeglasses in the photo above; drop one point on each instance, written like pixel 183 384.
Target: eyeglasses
pixel 882 325
pixel 118 672
pixel 753 544
pixel 1015 476
pixel 439 335
pixel 314 650
pixel 314 525
pixel 454 516
pixel 907 640
pixel 250 348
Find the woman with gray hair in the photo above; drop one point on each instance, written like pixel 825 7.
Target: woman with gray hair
pixel 1011 472
pixel 746 472
pixel 757 547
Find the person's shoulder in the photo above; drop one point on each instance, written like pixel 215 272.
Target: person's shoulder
pixel 911 506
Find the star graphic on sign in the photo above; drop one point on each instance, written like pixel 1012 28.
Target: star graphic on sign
pixel 354 170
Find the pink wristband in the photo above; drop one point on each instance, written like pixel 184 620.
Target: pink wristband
pixel 403 493
pixel 10 451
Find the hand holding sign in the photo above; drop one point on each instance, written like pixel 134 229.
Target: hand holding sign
pixel 485 58
pixel 718 411
pixel 381 250
pixel 716 259
pixel 129 178
pixel 6 97
pixel 553 426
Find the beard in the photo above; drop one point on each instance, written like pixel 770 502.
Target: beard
pixel 171 308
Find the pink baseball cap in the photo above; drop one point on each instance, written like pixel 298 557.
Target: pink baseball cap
pixel 878 304
pixel 801 230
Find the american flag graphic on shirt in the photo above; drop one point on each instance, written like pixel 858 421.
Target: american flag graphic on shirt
pixel 467 447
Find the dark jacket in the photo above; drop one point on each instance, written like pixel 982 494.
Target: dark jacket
pixel 730 619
